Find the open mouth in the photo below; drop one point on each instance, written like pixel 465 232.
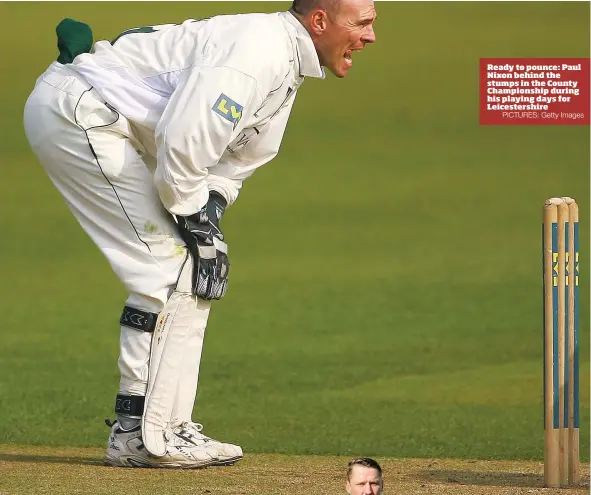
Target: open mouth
pixel 349 57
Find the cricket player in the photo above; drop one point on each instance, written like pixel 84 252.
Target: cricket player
pixel 149 138
pixel 364 477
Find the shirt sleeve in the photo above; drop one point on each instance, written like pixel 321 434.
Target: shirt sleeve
pixel 205 113
pixel 226 177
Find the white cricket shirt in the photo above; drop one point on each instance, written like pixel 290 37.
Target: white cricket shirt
pixel 211 97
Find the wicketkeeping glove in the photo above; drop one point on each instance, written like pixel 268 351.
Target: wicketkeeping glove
pixel 205 241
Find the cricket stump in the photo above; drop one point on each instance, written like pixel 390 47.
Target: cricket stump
pixel 560 241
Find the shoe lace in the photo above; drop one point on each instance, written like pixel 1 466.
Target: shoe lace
pixel 192 430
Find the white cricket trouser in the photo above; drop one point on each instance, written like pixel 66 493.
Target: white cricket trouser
pixel 90 153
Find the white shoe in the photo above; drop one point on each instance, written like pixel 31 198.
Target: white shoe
pixel 188 434
pixel 188 451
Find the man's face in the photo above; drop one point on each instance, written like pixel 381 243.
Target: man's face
pixel 347 31
pixel 364 481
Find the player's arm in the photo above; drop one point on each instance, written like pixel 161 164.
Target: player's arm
pixel 205 112
pixel 227 175
pixel 202 117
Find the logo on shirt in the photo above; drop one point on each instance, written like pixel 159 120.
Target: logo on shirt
pixel 228 109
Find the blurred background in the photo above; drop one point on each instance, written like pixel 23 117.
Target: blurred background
pixel 386 294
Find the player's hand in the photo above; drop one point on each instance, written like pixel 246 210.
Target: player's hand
pixel 204 239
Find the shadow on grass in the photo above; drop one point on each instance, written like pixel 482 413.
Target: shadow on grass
pixel 82 461
pixel 529 480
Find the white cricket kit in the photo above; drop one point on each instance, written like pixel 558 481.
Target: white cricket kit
pixel 234 80
pixel 146 126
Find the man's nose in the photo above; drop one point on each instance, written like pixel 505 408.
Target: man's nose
pixel 370 35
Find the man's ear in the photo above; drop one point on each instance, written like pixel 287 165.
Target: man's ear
pixel 348 487
pixel 318 22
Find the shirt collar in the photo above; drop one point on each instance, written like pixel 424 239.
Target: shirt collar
pixel 306 51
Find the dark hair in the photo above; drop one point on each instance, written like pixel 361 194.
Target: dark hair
pixel 302 7
pixel 362 461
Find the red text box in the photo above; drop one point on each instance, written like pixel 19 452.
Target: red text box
pixel 534 91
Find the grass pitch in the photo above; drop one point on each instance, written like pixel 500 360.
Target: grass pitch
pixel 44 470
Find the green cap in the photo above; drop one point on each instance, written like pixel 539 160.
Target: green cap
pixel 73 38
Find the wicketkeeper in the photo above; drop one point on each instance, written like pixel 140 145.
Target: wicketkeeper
pixel 149 138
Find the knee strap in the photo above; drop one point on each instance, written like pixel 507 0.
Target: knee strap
pixel 138 319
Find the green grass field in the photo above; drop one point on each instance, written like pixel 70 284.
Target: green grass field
pixel 386 268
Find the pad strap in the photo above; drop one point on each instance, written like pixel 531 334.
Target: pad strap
pixel 138 319
pixel 130 405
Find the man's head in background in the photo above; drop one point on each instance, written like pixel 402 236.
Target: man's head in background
pixel 337 28
pixel 364 477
